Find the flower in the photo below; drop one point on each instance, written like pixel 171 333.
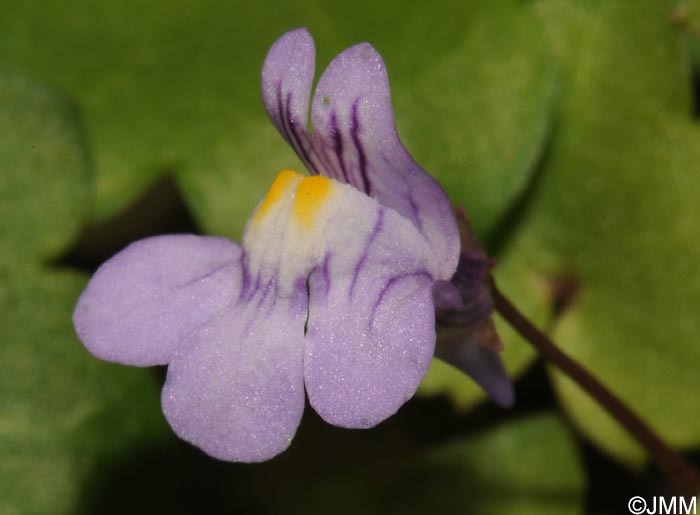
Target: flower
pixel 330 293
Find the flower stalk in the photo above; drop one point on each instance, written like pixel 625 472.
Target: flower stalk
pixel 680 472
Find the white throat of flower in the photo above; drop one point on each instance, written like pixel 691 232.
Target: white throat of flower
pixel 305 219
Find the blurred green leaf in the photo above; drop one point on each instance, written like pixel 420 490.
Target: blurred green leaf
pixel 43 170
pixel 162 83
pixel 477 114
pixel 616 212
pixel 175 85
pixel 61 410
pixel 501 472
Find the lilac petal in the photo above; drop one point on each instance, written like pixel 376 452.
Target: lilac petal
pixel 354 127
pixel 364 361
pixel 354 138
pixel 236 390
pixel 371 328
pixel 458 348
pixel 142 303
pixel 287 77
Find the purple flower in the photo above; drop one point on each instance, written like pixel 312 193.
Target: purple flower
pixel 330 293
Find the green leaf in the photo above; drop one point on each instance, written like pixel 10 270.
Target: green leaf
pixel 175 86
pixel 161 83
pixel 43 170
pixel 61 410
pixel 497 473
pixel 477 115
pixel 616 211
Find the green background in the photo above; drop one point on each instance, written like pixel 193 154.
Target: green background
pixel 568 129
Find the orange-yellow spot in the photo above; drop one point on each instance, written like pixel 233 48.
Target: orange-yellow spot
pixel 311 193
pixel 285 180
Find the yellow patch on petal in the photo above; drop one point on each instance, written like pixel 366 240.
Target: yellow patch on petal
pixel 311 194
pixel 285 180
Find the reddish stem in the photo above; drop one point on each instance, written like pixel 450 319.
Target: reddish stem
pixel 679 471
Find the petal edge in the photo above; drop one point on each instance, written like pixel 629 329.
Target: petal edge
pixel 140 304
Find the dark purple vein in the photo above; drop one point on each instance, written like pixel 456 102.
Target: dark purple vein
pixel 338 147
pixel 362 158
pixel 358 267
pixel 388 285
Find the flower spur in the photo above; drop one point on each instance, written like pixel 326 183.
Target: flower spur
pixel 330 294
